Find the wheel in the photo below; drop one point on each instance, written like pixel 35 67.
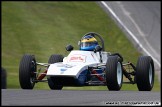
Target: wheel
pixel 55 58
pixel 52 82
pixel 3 78
pixel 27 71
pixel 145 73
pixel 114 74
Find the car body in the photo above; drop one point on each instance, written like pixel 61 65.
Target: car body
pixel 76 65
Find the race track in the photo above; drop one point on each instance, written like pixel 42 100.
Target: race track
pixel 17 97
pixel 141 21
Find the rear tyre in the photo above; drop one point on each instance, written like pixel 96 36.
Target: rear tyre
pixel 27 71
pixel 114 74
pixel 145 73
pixel 54 84
pixel 3 78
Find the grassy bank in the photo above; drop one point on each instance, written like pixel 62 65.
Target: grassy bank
pixel 45 28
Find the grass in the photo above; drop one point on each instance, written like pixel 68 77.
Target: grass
pixel 45 28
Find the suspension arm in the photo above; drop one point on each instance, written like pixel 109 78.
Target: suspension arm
pixel 127 75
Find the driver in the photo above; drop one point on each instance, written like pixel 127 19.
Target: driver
pixel 88 43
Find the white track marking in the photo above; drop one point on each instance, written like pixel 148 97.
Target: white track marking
pixel 132 35
pixel 138 28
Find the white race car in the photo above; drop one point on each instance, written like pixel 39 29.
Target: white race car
pixel 91 65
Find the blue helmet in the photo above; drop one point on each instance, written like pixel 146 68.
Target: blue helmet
pixel 88 43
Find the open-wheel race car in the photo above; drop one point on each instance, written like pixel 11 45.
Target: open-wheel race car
pixel 90 65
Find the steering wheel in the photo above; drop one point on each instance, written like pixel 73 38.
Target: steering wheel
pixel 99 39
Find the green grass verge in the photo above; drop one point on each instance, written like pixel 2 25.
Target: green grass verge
pixel 45 28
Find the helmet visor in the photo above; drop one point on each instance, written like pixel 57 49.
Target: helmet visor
pixel 88 44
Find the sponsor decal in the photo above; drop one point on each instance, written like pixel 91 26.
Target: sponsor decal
pixel 60 65
pixel 65 65
pixel 62 69
pixel 77 58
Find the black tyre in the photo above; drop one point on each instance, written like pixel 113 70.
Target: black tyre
pixel 52 82
pixel 114 73
pixel 27 71
pixel 3 78
pixel 145 73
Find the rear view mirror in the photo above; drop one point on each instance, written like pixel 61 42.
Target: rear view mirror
pixel 97 48
pixel 69 47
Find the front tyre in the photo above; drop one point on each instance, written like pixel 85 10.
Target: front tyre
pixel 145 73
pixel 27 71
pixel 114 74
pixel 53 83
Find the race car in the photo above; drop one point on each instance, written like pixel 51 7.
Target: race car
pixel 90 65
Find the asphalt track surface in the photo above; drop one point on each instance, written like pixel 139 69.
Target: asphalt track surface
pixel 144 20
pixel 16 97
pixel 141 21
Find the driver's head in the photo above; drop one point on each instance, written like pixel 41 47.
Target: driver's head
pixel 88 43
